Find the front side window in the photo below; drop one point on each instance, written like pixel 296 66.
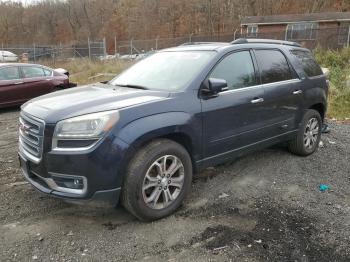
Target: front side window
pixel 308 63
pixel 237 69
pixel 273 66
pixel 31 71
pixel 9 73
pixel 168 71
pixel 47 72
pixel 302 31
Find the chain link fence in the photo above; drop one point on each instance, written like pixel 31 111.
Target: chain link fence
pixel 89 49
pixel 333 38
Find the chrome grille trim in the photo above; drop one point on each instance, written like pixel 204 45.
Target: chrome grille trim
pixel 31 137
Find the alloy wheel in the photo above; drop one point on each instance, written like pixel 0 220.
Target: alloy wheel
pixel 311 133
pixel 163 182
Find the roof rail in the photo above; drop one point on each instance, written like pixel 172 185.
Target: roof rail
pixel 263 41
pixel 201 43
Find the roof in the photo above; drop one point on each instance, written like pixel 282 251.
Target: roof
pixel 293 18
pixel 18 64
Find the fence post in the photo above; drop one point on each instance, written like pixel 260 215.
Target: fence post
pixel 34 53
pixel 131 46
pixel 190 38
pixel 348 37
pixel 115 45
pixel 89 47
pixel 104 47
pixel 157 42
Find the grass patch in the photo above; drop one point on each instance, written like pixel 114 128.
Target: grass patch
pixel 86 71
pixel 338 63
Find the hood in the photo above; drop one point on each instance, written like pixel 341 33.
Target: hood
pixel 88 99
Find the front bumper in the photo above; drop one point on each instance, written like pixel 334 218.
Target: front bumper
pixel 45 185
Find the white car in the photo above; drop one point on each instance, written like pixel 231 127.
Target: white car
pixel 6 56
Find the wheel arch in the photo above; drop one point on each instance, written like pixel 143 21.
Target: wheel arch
pixel 319 107
pixel 176 126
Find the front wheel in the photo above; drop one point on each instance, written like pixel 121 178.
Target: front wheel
pixel 157 181
pixel 309 134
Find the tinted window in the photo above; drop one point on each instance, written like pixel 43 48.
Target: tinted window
pixel 31 71
pixel 9 73
pixel 237 69
pixel 273 66
pixel 310 67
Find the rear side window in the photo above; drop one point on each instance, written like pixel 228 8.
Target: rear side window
pixel 31 71
pixel 308 63
pixel 237 69
pixel 9 73
pixel 273 66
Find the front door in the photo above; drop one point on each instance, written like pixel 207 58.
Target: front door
pixel 233 119
pixel 36 82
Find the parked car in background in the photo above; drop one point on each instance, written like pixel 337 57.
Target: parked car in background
pixel 139 137
pixel 6 56
pixel 22 82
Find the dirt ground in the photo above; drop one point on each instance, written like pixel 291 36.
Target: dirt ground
pixel 263 207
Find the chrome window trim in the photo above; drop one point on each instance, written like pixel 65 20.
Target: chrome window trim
pixel 295 80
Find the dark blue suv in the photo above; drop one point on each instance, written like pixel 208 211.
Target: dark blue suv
pixel 139 138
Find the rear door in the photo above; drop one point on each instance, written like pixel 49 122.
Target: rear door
pixel 283 92
pixel 36 81
pixel 233 119
pixel 12 89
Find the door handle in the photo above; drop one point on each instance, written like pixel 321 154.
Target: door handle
pixel 297 92
pixel 18 83
pixel 257 100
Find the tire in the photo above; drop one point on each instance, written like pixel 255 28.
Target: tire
pixel 299 145
pixel 57 88
pixel 145 171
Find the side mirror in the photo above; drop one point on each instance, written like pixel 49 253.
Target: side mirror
pixel 215 85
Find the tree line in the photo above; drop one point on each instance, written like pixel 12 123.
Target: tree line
pixel 71 21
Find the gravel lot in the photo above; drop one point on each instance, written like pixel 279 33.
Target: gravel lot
pixel 263 207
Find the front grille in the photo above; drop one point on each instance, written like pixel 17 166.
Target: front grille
pixel 31 136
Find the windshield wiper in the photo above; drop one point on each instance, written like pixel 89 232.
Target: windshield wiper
pixel 134 86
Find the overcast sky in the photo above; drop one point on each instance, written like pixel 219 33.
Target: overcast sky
pixel 22 1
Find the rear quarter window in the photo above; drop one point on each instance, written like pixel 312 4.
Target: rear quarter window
pixel 308 63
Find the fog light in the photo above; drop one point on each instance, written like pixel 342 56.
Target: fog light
pixel 69 182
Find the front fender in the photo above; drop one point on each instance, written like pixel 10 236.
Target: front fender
pixel 147 128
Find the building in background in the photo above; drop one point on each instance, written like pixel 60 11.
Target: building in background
pixel 329 30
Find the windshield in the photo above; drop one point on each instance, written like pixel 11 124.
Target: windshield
pixel 168 71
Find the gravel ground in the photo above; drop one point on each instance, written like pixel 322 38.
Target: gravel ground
pixel 265 206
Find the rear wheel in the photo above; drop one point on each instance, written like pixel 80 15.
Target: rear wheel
pixel 158 179
pixel 309 134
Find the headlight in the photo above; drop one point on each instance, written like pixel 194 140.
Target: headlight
pixel 83 131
